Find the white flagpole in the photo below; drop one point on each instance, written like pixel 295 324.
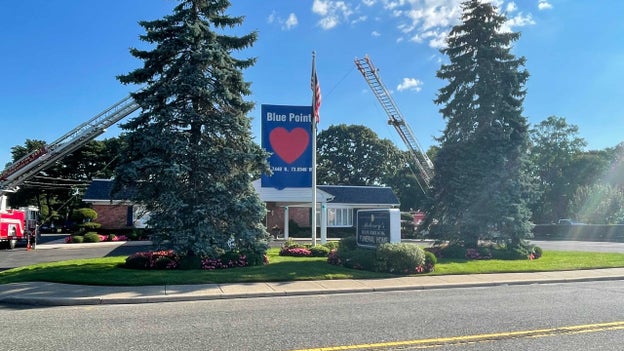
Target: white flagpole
pixel 313 124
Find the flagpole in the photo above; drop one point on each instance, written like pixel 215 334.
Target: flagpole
pixel 313 125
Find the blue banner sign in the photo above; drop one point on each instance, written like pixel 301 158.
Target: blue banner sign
pixel 287 135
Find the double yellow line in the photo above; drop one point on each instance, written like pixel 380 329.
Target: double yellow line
pixel 455 340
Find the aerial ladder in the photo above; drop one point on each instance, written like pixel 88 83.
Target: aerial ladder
pixel 44 157
pixel 396 119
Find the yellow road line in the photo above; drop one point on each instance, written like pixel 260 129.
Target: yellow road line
pixel 575 329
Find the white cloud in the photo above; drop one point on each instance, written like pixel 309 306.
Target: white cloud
pixel 544 5
pixel 332 12
pixel 291 21
pixel 410 84
pixel 375 34
pixel 420 21
pixel 286 24
pixel 519 20
pixel 271 18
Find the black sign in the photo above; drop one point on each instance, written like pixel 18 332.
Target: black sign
pixel 373 228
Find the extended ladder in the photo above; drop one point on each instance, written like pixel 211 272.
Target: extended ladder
pixel 395 118
pixel 38 160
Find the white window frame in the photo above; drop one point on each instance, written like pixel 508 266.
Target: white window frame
pixel 340 217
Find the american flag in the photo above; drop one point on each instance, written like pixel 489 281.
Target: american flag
pixel 316 94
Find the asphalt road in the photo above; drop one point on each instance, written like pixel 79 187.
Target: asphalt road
pixel 46 252
pixel 530 317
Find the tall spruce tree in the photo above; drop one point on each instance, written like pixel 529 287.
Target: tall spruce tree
pixel 480 187
pixel 190 153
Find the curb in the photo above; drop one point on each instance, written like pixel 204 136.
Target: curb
pixel 104 300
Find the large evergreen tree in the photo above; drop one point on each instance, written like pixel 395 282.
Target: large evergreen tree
pixel 190 153
pixel 480 185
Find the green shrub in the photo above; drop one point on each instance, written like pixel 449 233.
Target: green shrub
pixel 363 259
pixel 255 258
pixel 91 237
pixel 82 215
pixel 319 251
pixel 331 245
pixel 537 252
pixel 291 244
pixel 190 262
pixel 164 262
pixel 399 258
pixel 137 262
pixel 77 239
pixel 430 261
pixel 111 237
pixel 348 243
pixel 510 253
pixel 454 251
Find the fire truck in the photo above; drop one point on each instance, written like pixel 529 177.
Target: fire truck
pixel 18 225
pixel 21 224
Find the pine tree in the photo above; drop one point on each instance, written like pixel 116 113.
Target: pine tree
pixel 190 153
pixel 480 188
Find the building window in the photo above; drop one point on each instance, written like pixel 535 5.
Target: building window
pixel 339 217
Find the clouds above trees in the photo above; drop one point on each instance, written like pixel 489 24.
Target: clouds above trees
pixel 420 21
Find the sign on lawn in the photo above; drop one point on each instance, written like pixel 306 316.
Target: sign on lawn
pixel 376 227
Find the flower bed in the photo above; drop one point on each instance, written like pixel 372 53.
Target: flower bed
pixel 169 259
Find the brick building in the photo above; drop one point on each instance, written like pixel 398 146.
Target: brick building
pixel 336 205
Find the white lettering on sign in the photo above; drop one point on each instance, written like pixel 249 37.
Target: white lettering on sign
pixel 294 117
pixel 274 117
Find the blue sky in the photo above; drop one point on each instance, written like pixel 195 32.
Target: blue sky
pixel 60 59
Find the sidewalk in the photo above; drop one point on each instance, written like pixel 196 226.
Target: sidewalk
pixel 54 294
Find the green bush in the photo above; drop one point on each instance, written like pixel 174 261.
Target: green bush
pixel 399 258
pixel 254 258
pixel 319 251
pixel 454 251
pixel 137 262
pixel 511 253
pixel 331 245
pixel 82 215
pixel 363 259
pixel 91 237
pixel 77 239
pixel 164 262
pixel 190 262
pixel 430 260
pixel 348 243
pixel 537 252
pixel 291 244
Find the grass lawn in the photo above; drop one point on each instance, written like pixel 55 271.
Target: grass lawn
pixel 106 271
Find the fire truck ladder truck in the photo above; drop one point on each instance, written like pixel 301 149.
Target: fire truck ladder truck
pixel 38 160
pixel 395 118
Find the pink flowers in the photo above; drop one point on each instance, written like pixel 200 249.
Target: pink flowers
pixel 295 251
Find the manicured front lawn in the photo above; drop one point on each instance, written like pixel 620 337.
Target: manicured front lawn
pixel 106 271
pixel 550 261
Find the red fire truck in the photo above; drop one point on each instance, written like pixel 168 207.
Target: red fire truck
pixel 18 225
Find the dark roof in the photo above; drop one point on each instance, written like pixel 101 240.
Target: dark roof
pixel 100 189
pixel 346 194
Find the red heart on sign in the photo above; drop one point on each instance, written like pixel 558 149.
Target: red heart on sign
pixel 289 145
